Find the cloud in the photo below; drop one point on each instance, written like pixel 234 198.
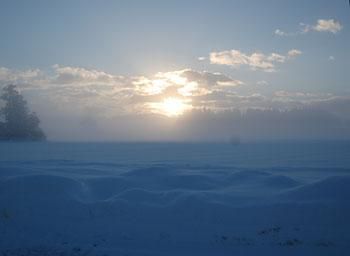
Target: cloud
pixel 78 75
pixel 210 79
pixel 327 26
pixel 8 76
pixel 185 83
pixel 106 94
pixel 322 25
pixel 109 94
pixel 331 58
pixel 280 32
pixel 293 53
pixel 83 90
pixel 256 60
pixel 97 105
pixel 274 57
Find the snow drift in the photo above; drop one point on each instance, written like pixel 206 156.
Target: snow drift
pixel 71 207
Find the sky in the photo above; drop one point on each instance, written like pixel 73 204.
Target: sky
pixel 180 70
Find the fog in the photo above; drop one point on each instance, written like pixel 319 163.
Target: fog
pixel 77 104
pixel 321 121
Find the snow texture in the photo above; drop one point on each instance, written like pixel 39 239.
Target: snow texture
pixel 174 199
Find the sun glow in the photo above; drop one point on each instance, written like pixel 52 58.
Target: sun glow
pixel 171 107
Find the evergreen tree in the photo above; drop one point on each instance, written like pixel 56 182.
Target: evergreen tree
pixel 18 122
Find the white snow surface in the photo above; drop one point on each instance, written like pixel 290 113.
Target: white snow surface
pixel 174 199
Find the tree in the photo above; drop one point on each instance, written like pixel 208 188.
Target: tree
pixel 18 123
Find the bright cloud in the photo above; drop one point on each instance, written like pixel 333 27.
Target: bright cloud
pixel 327 26
pixel 171 93
pixel 322 25
pixel 184 83
pixel 90 88
pixel 293 53
pixel 255 61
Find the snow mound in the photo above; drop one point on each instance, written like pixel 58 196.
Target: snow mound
pixel 336 188
pixel 281 181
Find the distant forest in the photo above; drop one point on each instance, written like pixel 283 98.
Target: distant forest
pixel 17 122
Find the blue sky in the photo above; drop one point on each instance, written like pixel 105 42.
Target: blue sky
pixel 133 37
pixel 53 40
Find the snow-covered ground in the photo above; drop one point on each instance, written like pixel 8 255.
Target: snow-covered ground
pixel 174 199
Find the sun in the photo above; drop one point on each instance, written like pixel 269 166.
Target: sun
pixel 173 107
